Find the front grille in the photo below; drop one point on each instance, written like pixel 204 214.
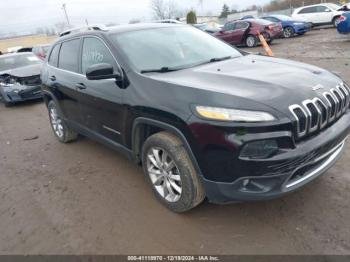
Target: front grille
pixel 315 114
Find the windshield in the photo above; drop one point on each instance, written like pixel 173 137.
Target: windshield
pixel 171 47
pixel 11 62
pixel 334 6
pixel 283 17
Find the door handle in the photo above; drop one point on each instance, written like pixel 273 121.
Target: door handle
pixel 52 78
pixel 80 86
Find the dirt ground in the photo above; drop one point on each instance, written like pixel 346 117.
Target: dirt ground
pixel 84 198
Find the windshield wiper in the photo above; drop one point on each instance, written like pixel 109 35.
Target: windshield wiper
pixel 213 60
pixel 218 59
pixel 164 69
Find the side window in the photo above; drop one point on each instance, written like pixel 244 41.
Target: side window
pixel 321 9
pixel 53 59
pixel 229 27
pixel 95 52
pixel 272 19
pixel 241 25
pixel 308 10
pixel 68 58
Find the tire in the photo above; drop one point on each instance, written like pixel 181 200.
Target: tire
pixel 63 133
pixel 173 178
pixel 336 21
pixel 251 41
pixel 288 32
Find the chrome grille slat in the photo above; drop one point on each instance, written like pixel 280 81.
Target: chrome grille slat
pixel 323 119
pixel 315 114
pixel 346 94
pixel 338 97
pixel 332 106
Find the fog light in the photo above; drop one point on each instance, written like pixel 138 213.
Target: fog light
pixel 259 149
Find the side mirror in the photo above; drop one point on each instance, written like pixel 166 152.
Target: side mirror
pixel 102 71
pixel 327 10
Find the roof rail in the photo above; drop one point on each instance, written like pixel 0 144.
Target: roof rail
pixel 83 29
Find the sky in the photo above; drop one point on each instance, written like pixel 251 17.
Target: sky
pixel 24 16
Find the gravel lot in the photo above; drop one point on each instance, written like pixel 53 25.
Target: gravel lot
pixel 84 198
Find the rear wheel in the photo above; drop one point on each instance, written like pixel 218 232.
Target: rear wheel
pixel 288 32
pixel 63 133
pixel 251 41
pixel 171 173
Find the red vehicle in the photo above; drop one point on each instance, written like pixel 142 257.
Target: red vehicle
pixel 41 51
pixel 246 32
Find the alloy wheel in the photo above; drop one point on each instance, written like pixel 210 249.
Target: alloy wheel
pixel 164 174
pixel 56 123
pixel 288 32
pixel 250 41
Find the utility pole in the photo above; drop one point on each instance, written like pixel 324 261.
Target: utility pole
pixel 65 13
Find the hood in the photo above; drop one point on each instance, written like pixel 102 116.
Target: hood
pixel 276 83
pixel 345 7
pixel 24 71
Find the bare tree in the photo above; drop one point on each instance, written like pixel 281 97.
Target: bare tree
pixel 158 8
pixel 60 27
pixel 165 9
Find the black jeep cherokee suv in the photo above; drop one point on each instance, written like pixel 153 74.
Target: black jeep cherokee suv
pixel 204 119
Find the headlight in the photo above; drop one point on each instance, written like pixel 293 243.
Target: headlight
pixel 226 114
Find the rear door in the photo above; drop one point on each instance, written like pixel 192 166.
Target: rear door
pixel 63 74
pixel 101 100
pixel 309 14
pixel 226 33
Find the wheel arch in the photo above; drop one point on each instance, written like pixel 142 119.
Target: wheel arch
pixel 156 126
pixel 48 96
pixel 334 18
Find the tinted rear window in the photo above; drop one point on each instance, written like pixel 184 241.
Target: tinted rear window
pixel 68 58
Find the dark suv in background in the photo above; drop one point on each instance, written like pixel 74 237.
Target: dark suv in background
pixel 203 119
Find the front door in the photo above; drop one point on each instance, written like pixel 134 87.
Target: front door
pixel 226 33
pixel 101 100
pixel 239 32
pixel 324 14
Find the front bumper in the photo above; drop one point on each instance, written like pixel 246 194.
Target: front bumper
pixel 269 187
pixel 284 173
pixel 12 97
pixel 301 28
